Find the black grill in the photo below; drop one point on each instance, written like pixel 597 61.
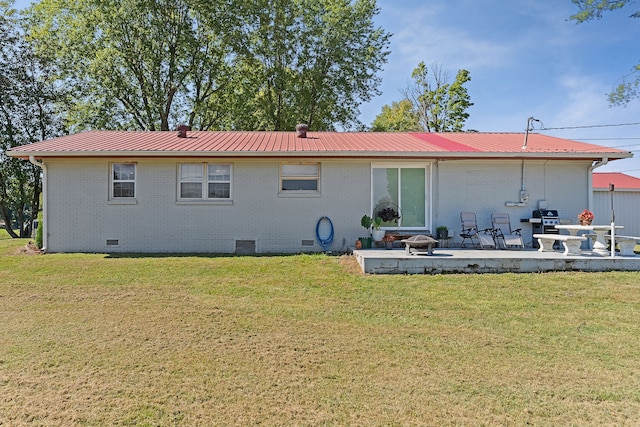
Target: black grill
pixel 548 219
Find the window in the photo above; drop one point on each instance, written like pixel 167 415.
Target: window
pixel 204 181
pixel 300 177
pixel 123 180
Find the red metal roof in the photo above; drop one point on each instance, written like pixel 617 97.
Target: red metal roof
pixel 619 180
pixel 317 144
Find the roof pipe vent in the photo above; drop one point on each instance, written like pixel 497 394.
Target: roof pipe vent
pixel 182 131
pixel 301 130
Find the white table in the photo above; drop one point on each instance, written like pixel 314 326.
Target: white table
pixel 599 245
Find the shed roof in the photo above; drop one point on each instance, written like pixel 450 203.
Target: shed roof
pixel 317 144
pixel 601 180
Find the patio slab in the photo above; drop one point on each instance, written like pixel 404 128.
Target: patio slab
pixel 458 260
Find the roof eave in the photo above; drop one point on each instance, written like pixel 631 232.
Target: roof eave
pixel 321 154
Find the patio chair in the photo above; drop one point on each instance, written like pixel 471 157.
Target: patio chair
pixel 504 235
pixel 484 239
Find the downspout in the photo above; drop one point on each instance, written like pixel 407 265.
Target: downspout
pixel 33 160
pixel 602 162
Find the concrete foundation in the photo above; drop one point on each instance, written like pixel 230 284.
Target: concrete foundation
pixel 456 260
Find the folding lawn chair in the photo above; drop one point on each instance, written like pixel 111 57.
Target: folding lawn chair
pixel 470 232
pixel 504 234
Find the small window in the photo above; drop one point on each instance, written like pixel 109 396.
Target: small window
pixel 123 180
pixel 300 177
pixel 203 181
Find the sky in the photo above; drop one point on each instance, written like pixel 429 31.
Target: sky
pixel 526 59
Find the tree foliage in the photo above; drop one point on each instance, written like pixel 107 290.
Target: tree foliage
pixel 589 10
pixel 27 114
pixel 437 105
pixel 228 64
pixel 399 117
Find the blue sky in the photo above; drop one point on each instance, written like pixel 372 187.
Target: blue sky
pixel 525 58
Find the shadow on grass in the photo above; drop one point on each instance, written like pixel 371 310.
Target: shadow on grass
pixel 135 255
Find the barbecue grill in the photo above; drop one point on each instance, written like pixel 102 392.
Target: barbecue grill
pixel 544 222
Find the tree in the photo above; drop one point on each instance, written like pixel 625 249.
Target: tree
pixel 594 9
pixel 132 64
pixel 441 106
pixel 228 64
pixel 26 115
pixel 311 61
pixel 435 104
pixel 399 117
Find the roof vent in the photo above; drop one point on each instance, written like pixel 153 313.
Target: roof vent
pixel 182 131
pixel 301 130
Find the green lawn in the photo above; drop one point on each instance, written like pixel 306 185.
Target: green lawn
pixel 95 340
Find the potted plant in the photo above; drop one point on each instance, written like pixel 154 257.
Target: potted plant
pixel 585 217
pixel 388 241
pixel 366 223
pixel 442 232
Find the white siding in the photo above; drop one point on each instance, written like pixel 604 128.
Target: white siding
pixel 626 204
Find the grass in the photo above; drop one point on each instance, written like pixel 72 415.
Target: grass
pixel 94 340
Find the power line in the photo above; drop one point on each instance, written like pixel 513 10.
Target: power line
pixel 610 139
pixel 542 127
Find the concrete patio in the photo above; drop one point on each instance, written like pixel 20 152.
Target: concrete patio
pixel 460 260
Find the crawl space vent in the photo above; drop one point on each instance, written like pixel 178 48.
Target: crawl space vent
pixel 112 242
pixel 307 243
pixel 245 247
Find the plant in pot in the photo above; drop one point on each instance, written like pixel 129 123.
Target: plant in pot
pixel 378 233
pixel 442 232
pixel 366 221
pixel 388 241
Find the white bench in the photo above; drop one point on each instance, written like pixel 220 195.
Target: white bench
pixel 571 243
pixel 627 244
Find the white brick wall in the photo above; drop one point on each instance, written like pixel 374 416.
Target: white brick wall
pixel 485 186
pixel 81 219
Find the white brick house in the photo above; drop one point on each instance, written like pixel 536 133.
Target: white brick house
pixel 226 192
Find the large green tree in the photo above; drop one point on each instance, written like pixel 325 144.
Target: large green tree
pixel 132 64
pixel 437 104
pixel 227 64
pixel 588 10
pixel 27 114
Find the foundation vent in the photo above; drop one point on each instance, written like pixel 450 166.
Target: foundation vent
pixel 113 242
pixel 245 247
pixel 307 243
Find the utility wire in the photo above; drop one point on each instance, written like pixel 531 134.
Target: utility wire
pixel 590 126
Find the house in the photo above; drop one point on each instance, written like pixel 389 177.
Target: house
pixel 625 198
pixel 264 192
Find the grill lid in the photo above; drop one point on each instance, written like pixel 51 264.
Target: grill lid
pixel 545 213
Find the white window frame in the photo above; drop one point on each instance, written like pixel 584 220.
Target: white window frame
pixel 428 188
pixel 302 177
pixel 113 181
pixel 204 183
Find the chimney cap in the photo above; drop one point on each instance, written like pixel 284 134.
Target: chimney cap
pixel 301 130
pixel 182 131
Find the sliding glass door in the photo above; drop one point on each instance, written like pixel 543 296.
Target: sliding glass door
pixel 404 187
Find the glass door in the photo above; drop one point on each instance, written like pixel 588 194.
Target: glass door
pixel 403 187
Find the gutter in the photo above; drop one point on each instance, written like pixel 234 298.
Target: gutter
pixel 556 155
pixel 41 164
